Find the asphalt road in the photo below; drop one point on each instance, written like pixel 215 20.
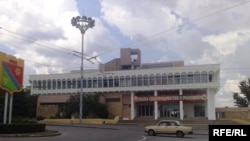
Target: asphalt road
pixel 104 133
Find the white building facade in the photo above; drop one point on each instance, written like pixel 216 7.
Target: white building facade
pixel 157 91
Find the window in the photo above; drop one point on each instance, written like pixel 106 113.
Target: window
pixel 89 83
pixel 211 76
pixel 177 78
pixel 53 84
pixel 151 79
pixel 170 79
pixel 204 77
pixel 105 82
pixel 69 83
pixel 197 78
pixel 99 82
pixel 94 82
pixel 59 84
pixel 116 83
pixel 49 84
pixel 39 85
pixel 78 83
pixel 139 80
pixel 84 83
pixel 133 80
pixel 164 79
pixel 111 82
pixel 145 80
pixel 73 83
pixel 64 84
pixel 190 77
pixel 158 79
pixel 122 81
pixel 44 85
pixel 128 81
pixel 35 84
pixel 183 78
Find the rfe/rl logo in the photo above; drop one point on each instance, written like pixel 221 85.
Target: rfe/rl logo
pixel 229 132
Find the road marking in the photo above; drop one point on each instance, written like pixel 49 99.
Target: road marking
pixel 143 138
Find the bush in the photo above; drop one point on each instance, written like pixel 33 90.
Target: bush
pixel 22 128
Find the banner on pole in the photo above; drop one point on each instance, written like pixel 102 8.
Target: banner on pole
pixel 11 73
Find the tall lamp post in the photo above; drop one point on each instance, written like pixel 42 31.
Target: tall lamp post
pixel 82 23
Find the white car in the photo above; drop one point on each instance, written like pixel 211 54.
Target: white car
pixel 168 127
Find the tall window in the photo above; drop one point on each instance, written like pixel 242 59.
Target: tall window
pixel 183 78
pixel 84 85
pixel 64 84
pixel 190 77
pixel 170 79
pixel 49 84
pixel 122 81
pixel 211 76
pixel 94 82
pixel 197 78
pixel 59 84
pixel 204 77
pixel 73 83
pixel 145 80
pixel 105 82
pixel 133 80
pixel 151 79
pixel 89 83
pixel 53 84
pixel 44 85
pixel 164 79
pixel 39 85
pixel 99 82
pixel 111 82
pixel 158 79
pixel 78 83
pixel 128 81
pixel 35 84
pixel 69 83
pixel 177 78
pixel 139 80
pixel 116 82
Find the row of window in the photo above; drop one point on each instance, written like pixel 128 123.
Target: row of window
pixel 125 81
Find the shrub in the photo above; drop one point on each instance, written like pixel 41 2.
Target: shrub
pixel 22 128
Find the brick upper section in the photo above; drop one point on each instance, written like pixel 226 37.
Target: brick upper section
pixel 53 98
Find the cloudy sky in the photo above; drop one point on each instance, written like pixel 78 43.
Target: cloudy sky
pixel 198 32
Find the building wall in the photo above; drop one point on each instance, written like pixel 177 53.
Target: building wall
pixel 47 110
pixel 126 108
pixel 114 106
pixel 233 112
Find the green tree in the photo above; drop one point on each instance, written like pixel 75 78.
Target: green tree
pixel 243 99
pixel 24 105
pixel 91 106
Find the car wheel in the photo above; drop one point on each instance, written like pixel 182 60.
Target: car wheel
pixel 179 134
pixel 151 132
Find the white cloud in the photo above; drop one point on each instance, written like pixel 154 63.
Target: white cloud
pixel 227 43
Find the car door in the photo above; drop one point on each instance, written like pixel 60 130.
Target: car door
pixel 172 128
pixel 162 127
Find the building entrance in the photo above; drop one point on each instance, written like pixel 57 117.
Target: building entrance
pixel 146 110
pixel 169 110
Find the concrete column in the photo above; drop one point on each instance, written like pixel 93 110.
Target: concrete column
pixel 211 104
pixel 156 106
pixel 132 109
pixel 181 105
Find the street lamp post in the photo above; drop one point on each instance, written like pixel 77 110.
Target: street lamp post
pixel 82 23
